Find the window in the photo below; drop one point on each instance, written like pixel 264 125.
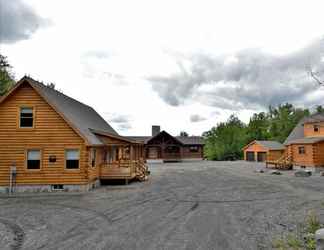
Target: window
pixel 52 158
pixel 193 149
pixel 72 157
pixel 57 187
pixel 93 157
pixel 316 128
pixel 33 159
pixel 302 150
pixel 26 118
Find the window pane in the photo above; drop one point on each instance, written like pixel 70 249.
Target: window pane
pixel 33 164
pixel 26 111
pixel 26 117
pixel 26 122
pixel 72 154
pixel 33 155
pixel 72 164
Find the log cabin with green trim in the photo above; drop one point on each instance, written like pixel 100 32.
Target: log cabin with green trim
pixel 49 141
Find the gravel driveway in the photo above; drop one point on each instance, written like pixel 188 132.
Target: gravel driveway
pixel 201 205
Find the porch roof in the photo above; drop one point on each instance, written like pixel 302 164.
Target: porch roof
pixel 307 140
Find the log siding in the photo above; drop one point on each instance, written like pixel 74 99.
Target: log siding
pixel 50 134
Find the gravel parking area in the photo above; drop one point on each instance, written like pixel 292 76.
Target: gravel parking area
pixel 200 205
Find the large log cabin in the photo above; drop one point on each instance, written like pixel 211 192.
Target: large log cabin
pixel 162 147
pixel 49 141
pixel 305 144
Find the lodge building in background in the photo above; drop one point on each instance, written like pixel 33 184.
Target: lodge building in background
pixel 163 147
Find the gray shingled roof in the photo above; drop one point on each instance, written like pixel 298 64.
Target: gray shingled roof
pixel 143 139
pixel 314 118
pixel 298 131
pixel 191 140
pixel 81 116
pixel 272 145
pixel 307 140
pixel 186 140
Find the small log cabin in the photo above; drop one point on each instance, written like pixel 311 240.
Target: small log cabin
pixel 263 151
pixel 162 147
pixel 49 141
pixel 305 144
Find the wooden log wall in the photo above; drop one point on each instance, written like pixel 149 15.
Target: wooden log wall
pixel 51 134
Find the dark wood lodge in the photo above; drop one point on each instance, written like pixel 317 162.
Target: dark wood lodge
pixel 163 147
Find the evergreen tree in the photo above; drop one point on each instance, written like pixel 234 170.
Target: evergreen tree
pixel 6 77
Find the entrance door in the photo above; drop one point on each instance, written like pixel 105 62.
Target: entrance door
pixel 262 156
pixel 250 156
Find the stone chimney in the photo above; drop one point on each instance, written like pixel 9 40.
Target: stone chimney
pixel 155 130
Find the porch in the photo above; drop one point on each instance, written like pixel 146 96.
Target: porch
pixel 121 158
pixel 124 170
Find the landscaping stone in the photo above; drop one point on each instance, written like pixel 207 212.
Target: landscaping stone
pixel 276 172
pixel 303 173
pixel 319 237
pixel 259 170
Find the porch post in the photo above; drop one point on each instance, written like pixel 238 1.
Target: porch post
pixel 131 156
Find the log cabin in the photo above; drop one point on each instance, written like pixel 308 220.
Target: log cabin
pixel 262 151
pixel 162 147
pixel 49 142
pixel 305 144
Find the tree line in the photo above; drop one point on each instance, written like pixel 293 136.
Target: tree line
pixel 6 75
pixel 226 140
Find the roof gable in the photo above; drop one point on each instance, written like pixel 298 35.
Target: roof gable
pixel 166 135
pixel 80 117
pixel 298 132
pixel 269 145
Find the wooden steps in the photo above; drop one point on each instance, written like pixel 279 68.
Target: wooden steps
pixel 283 163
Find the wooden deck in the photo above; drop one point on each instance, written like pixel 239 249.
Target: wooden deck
pixel 124 170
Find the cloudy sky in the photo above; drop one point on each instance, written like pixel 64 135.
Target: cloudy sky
pixel 184 65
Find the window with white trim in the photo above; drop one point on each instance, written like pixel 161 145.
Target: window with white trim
pixel 26 119
pixel 33 159
pixel 72 158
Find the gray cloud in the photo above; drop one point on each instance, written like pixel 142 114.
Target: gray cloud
pixel 249 78
pixel 123 122
pixel 18 21
pixel 197 118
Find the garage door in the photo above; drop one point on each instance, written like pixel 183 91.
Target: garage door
pixel 262 156
pixel 250 156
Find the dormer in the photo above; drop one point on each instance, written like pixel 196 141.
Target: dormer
pixel 314 126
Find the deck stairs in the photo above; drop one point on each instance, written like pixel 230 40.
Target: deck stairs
pixel 141 170
pixel 283 163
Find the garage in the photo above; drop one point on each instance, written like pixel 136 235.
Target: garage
pixel 262 156
pixel 250 156
pixel 261 151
